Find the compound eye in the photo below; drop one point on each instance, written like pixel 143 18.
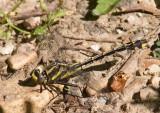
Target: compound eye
pixel 37 72
pixel 43 73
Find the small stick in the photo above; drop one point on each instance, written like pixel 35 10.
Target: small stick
pixel 104 40
pixel 139 8
pixel 80 48
pixel 28 15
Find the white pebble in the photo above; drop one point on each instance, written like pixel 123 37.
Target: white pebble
pixel 95 47
pixel 154 69
pixel 7 49
pixel 155 81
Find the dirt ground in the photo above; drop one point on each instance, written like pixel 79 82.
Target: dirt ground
pixel 126 82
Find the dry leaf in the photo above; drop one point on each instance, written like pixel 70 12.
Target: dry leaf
pixel 119 81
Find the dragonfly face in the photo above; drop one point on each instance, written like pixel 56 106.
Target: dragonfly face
pixel 39 75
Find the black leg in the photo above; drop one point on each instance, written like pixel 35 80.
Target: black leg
pixel 49 89
pixel 72 85
pixel 41 88
pixel 56 90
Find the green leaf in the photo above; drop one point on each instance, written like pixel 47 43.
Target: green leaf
pixel 158 43
pixel 1 13
pixel 156 53
pixel 40 30
pixel 54 16
pixel 4 34
pixel 104 6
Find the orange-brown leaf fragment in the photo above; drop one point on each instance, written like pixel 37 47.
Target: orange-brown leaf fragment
pixel 118 81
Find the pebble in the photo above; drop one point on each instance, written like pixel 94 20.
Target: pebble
pixel 133 20
pixel 24 55
pixel 119 31
pixel 90 91
pixel 102 100
pixel 34 101
pixel 39 100
pixel 95 85
pixel 17 61
pixel 24 48
pixel 7 48
pixel 135 86
pixel 155 82
pixel 32 22
pixel 148 94
pixel 95 47
pixel 154 69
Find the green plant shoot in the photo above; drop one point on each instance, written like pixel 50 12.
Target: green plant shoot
pixel 104 6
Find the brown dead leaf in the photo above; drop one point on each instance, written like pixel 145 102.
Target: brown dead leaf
pixel 119 81
pixel 146 62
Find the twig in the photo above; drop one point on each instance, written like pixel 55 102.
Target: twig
pixel 16 6
pixel 28 15
pixel 105 40
pixel 80 48
pixel 139 8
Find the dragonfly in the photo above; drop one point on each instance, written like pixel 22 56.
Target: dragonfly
pixel 60 73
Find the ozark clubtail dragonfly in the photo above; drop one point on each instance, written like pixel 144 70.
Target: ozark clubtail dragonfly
pixel 58 73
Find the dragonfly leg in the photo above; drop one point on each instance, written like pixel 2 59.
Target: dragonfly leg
pixel 56 90
pixel 49 89
pixel 66 88
pixel 41 88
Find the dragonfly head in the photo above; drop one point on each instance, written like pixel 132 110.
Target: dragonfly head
pixel 39 75
pixel 141 43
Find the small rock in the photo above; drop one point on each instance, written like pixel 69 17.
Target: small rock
pixel 102 100
pixel 7 48
pixel 27 47
pixel 145 64
pixel 148 94
pixel 139 14
pixel 17 61
pixel 90 91
pixel 154 69
pixel 134 87
pixel 24 54
pixel 33 100
pixel 119 31
pixel 155 82
pixel 32 22
pixel 95 85
pixel 148 62
pixel 39 100
pixel 106 47
pixel 135 108
pixel 149 3
pixel 133 20
pixel 95 47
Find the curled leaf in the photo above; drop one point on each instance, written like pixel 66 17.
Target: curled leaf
pixel 104 6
